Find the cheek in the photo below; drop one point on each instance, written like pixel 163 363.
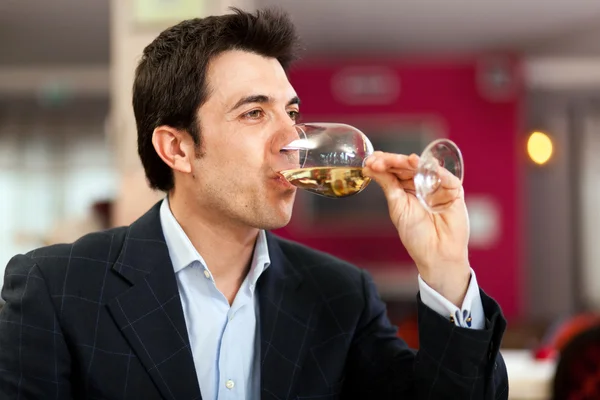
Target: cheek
pixel 242 150
pixel 248 156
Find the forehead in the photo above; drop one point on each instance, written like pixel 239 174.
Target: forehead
pixel 235 74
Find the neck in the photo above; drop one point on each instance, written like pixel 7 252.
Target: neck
pixel 225 246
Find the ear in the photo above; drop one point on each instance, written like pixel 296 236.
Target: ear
pixel 174 147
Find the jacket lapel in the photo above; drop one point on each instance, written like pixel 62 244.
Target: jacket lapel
pixel 150 314
pixel 288 311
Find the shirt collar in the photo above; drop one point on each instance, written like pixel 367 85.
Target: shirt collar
pixel 183 253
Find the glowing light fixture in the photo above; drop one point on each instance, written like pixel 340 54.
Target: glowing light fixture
pixel 539 147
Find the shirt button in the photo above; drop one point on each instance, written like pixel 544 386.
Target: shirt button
pixel 229 384
pixel 207 274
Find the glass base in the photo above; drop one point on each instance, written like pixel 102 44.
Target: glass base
pixel 440 156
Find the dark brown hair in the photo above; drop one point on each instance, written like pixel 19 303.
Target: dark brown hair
pixel 170 80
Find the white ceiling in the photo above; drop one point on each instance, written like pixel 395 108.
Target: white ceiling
pixel 434 25
pixel 54 31
pixel 76 31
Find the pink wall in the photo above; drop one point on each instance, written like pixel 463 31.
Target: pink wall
pixel 485 127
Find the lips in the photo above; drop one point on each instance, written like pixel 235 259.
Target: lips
pixel 283 182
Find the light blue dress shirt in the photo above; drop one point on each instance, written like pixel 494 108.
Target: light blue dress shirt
pixel 225 338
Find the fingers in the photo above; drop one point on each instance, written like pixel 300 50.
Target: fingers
pixel 403 174
pixel 448 180
pixel 380 162
pixel 442 198
pixel 405 167
pixel 408 186
pixel 448 189
pixel 385 179
pixel 392 171
pixel 397 171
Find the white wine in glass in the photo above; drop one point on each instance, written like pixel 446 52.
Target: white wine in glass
pixel 328 181
pixel 330 158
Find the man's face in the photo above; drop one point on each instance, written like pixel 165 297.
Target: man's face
pixel 248 117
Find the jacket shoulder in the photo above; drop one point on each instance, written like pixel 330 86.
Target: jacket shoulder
pixel 94 251
pixel 93 246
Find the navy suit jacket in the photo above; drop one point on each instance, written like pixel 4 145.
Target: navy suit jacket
pixel 102 319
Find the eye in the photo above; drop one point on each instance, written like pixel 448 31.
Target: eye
pixel 254 114
pixel 294 115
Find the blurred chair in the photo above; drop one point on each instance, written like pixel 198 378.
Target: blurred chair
pixel 562 332
pixel 578 371
pixel 572 327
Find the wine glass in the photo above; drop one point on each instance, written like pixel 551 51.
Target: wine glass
pixel 327 159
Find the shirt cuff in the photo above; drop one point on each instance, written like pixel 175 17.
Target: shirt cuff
pixel 470 315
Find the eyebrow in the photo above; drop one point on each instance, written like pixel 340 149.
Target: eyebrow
pixel 261 98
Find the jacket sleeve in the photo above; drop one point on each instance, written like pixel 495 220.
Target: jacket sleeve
pixel 34 359
pixel 452 362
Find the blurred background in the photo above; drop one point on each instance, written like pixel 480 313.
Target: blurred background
pixel 515 83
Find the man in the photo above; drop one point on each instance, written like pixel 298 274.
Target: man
pixel 196 299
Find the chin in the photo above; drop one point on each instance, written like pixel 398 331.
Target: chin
pixel 277 218
pixel 274 213
pixel 276 221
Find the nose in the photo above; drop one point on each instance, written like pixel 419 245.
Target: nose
pixel 281 159
pixel 286 134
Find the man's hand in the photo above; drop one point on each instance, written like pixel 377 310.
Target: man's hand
pixel 437 242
